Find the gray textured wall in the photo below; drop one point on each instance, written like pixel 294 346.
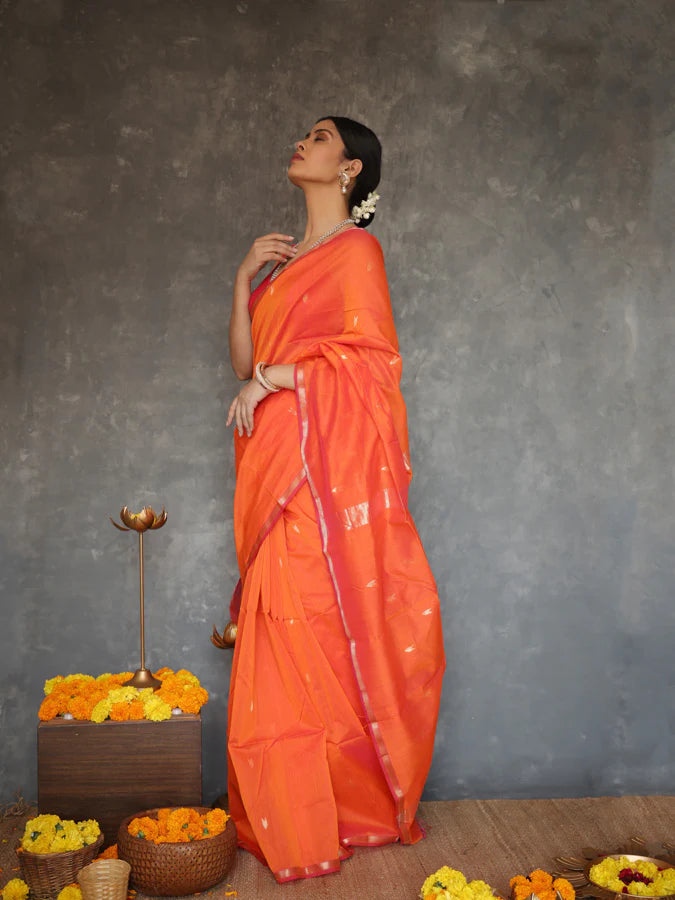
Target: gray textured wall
pixel 527 221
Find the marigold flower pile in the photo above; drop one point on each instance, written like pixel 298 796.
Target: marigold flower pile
pixel 105 697
pixel 542 884
pixel 449 884
pixel 636 877
pixel 180 825
pixel 51 834
pixel 15 889
pixel 70 892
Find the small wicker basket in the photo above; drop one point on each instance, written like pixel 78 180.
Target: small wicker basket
pixel 174 870
pixel 105 879
pixel 46 874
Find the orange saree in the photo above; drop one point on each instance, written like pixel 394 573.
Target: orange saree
pixel 338 661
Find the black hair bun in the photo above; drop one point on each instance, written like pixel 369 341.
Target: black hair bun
pixel 360 143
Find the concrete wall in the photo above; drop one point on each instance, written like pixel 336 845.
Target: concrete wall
pixel 527 221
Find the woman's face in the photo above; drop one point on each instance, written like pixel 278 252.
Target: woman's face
pixel 320 156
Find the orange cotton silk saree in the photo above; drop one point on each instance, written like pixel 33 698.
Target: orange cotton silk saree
pixel 338 661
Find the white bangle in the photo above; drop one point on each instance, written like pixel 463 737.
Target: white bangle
pixel 262 380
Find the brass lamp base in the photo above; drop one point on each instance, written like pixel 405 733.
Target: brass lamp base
pixel 143 678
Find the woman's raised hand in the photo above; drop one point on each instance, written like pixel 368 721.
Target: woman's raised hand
pixel 268 248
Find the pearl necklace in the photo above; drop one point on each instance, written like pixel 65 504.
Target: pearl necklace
pixel 323 237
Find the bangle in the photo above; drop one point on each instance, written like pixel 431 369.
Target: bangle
pixel 263 380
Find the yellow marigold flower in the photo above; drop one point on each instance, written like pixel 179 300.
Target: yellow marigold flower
pixel 665 882
pixel 90 830
pixel 101 711
pixel 156 709
pixel 70 892
pixel 50 684
pixel 15 889
pixel 444 879
pixel 480 888
pixel 184 675
pixel 123 694
pixel 606 874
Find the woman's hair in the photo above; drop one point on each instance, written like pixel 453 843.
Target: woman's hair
pixel 360 143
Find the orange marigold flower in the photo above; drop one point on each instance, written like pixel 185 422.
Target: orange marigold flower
pixel 541 878
pixel 567 892
pixel 143 827
pixel 119 712
pixel 163 672
pixel 522 891
pixel 109 853
pixel 169 696
pixel 80 708
pixel 136 710
pixel 49 708
pixel 517 879
pixel 216 820
pixel 193 699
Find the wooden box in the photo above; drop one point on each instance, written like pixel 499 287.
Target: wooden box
pixel 111 770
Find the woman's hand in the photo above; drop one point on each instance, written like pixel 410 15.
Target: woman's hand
pixel 268 248
pixel 241 408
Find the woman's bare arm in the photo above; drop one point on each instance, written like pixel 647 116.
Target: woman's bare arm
pixel 273 247
pixel 241 345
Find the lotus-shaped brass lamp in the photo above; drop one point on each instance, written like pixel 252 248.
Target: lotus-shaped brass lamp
pixel 225 641
pixel 146 520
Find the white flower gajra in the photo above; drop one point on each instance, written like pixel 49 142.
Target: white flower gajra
pixel 366 208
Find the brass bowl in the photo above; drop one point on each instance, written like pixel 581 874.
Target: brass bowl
pixel 631 857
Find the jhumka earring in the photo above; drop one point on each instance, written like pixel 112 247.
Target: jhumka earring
pixel 343 180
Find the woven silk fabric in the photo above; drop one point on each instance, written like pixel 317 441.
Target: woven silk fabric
pixel 339 658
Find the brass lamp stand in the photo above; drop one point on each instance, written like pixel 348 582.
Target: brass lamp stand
pixel 145 520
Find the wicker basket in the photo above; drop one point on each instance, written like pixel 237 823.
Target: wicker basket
pixel 46 874
pixel 174 870
pixel 105 879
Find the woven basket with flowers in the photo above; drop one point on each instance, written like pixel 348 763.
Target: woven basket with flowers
pixel 174 851
pixel 52 852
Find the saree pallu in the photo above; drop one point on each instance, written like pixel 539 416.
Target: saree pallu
pixel 338 661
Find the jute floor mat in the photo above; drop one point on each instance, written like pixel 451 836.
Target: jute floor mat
pixel 489 839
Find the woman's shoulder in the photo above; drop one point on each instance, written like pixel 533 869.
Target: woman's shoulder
pixel 363 242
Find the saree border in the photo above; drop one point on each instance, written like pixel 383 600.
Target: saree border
pixel 373 725
pixel 269 523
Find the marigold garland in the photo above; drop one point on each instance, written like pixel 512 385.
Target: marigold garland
pixel 541 883
pixel 637 877
pixel 51 834
pixel 173 826
pixel 96 699
pixel 450 884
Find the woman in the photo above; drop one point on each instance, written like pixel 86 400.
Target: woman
pixel 338 658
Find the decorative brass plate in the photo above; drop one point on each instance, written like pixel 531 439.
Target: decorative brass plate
pixel 576 869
